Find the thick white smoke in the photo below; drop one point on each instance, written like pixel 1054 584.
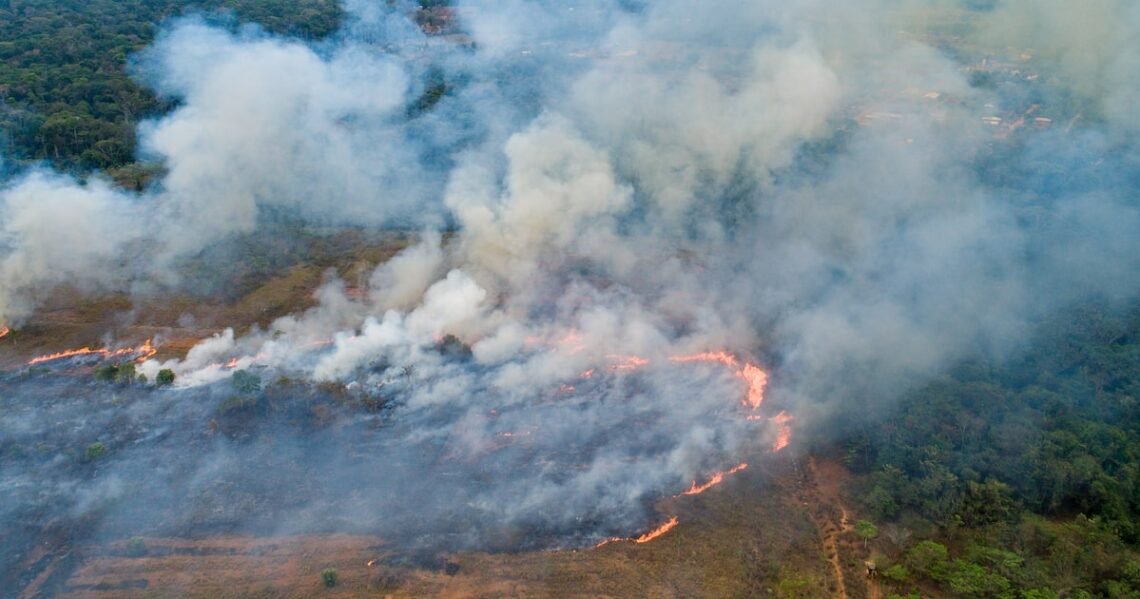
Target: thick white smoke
pixel 810 184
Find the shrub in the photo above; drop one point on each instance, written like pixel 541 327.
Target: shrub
pixel 164 377
pixel 328 575
pixel 95 451
pixel 136 547
pixel 246 382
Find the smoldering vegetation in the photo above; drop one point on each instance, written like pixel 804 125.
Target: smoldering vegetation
pixel 96 461
pixel 856 197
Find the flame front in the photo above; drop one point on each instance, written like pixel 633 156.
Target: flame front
pixel 627 362
pixel 4 331
pixel 713 481
pixel 139 354
pixel 656 532
pixel 752 374
pixel 783 431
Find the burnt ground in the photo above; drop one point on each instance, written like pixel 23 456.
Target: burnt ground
pixel 747 537
pixel 758 534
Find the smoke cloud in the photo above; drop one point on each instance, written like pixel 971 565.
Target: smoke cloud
pixel 832 192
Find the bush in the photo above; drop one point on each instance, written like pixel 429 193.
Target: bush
pixel 164 377
pixel 125 373
pixel 246 382
pixel 106 373
pixel 95 451
pixel 328 575
pixel 136 547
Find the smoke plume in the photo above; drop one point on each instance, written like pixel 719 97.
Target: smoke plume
pixel 853 197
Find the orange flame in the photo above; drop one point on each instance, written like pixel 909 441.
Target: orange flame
pixel 752 374
pixel 723 357
pixel 783 431
pixel 627 362
pixel 645 538
pixel 656 532
pixel 571 341
pixel 715 480
pixel 757 379
pixel 140 353
pixel 4 331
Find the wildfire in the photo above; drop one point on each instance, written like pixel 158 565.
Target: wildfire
pixel 139 354
pixel 656 532
pixel 783 431
pixel 4 331
pixel 723 357
pixel 713 481
pixel 571 342
pixel 645 538
pixel 627 362
pixel 752 374
pixel 757 379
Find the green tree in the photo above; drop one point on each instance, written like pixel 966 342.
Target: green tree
pixel 329 577
pixel 165 377
pixel 95 451
pixel 866 531
pixel 929 559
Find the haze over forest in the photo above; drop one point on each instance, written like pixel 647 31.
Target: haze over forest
pixel 488 278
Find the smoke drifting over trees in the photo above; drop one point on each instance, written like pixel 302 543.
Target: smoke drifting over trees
pixel 808 184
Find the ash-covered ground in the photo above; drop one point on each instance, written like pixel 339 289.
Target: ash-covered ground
pixel 83 460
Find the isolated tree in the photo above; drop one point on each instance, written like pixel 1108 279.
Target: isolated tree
pixel 866 531
pixel 164 377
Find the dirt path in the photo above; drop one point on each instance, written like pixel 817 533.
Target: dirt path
pixel 820 492
pixel 823 511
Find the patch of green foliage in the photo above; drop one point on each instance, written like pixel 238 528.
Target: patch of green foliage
pixel 95 452
pixel 1018 477
pixel 329 577
pixel 165 377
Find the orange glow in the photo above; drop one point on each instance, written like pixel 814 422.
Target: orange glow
pixel 627 362
pixel 4 331
pixel 715 480
pixel 723 357
pixel 783 431
pixel 587 374
pixel 571 341
pixel 656 532
pixel 757 379
pixel 145 351
pixel 139 353
pixel 242 361
pixel 645 538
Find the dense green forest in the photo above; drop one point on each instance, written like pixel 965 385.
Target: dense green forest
pixel 1015 480
pixel 65 93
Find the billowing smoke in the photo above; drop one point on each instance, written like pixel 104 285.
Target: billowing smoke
pixel 842 194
